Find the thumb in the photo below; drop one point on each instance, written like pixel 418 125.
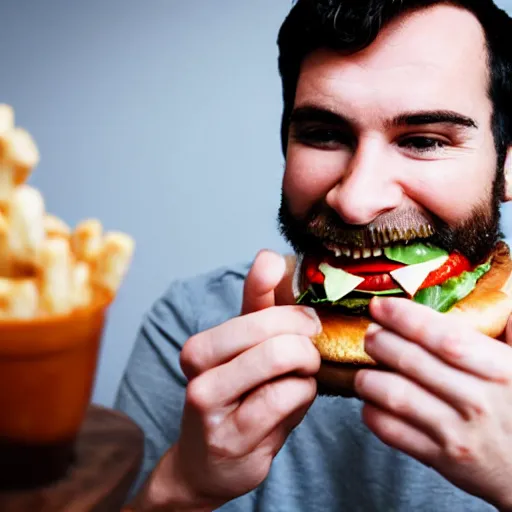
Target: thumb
pixel 266 273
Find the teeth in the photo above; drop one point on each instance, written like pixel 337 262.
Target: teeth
pixel 357 254
pixel 385 239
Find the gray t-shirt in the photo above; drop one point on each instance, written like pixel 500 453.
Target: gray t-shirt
pixel 331 462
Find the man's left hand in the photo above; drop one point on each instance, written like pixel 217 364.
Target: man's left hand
pixel 448 400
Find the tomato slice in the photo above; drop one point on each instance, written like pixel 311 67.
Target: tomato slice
pixel 377 283
pixel 313 274
pixel 372 266
pixel 454 266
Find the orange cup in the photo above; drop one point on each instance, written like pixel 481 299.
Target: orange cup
pixel 47 372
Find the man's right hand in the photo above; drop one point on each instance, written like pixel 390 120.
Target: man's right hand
pixel 250 384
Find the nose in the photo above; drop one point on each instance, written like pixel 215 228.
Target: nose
pixel 369 185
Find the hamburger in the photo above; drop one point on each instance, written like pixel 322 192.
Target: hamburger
pixel 341 283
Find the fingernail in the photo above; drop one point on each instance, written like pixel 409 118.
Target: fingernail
pixel 314 316
pixel 372 330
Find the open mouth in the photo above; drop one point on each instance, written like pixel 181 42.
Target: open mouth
pixel 348 277
pixel 366 243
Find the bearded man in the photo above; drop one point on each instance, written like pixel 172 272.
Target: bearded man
pixel 397 119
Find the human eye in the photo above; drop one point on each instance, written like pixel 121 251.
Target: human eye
pixel 423 144
pixel 323 137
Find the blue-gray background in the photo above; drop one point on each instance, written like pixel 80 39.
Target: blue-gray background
pixel 160 117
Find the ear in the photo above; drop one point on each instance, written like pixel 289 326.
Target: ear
pixel 508 175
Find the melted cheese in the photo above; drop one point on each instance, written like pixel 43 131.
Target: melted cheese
pixel 410 278
pixel 338 283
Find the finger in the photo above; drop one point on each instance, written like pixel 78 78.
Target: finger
pixel 224 342
pixel 398 434
pixel 406 400
pixel 272 410
pixel 445 337
pixel 284 291
pixel 508 331
pixel 262 363
pixel 265 275
pixel 462 390
pixel 276 439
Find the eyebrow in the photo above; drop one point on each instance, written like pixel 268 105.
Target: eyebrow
pixel 308 114
pixel 311 113
pixel 433 117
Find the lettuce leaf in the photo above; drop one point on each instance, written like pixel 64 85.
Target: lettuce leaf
pixel 395 291
pixel 412 254
pixel 444 296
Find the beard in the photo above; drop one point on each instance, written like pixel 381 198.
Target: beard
pixel 321 228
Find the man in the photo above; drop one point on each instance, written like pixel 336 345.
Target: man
pixel 391 108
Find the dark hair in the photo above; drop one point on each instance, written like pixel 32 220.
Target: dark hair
pixel 352 25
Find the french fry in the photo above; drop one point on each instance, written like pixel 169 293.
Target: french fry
pixel 5 293
pixel 55 260
pixel 55 227
pixel 113 261
pixel 18 156
pixel 86 240
pixel 6 118
pixel 46 268
pixel 23 299
pixel 5 259
pixel 26 225
pixel 81 290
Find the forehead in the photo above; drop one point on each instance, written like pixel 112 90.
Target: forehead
pixel 430 58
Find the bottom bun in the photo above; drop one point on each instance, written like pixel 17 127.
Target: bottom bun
pixel 337 379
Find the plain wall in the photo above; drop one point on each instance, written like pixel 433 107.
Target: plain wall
pixel 160 117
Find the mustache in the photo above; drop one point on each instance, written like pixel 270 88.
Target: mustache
pixel 391 227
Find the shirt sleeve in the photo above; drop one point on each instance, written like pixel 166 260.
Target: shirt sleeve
pixel 152 390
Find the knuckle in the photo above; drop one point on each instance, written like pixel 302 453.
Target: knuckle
pixel 190 356
pixel 278 355
pixel 409 360
pixel 397 400
pixel 450 345
pixel 419 327
pixel 459 448
pixel 308 356
pixel 476 408
pixel 276 398
pixel 292 352
pixel 197 395
pixel 308 392
pixel 223 446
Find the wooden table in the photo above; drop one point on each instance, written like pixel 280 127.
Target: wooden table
pixel 108 456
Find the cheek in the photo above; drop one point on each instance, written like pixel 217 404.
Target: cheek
pixel 310 174
pixel 450 189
